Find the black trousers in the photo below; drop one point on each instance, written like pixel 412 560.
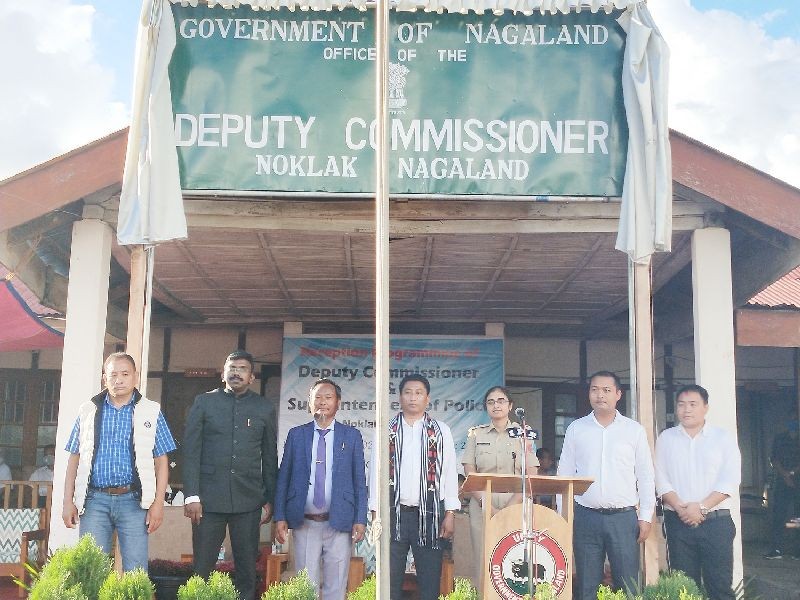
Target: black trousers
pixel 782 504
pixel 596 535
pixel 704 553
pixel 208 535
pixel 428 561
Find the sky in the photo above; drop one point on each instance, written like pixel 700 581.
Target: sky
pixel 67 69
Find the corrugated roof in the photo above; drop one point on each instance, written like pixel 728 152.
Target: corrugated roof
pixel 783 293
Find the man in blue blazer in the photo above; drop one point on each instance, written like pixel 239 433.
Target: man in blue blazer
pixel 322 493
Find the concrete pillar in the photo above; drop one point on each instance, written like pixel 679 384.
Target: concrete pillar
pixel 715 368
pixel 87 301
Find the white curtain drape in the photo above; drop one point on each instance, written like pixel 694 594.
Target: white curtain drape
pixel 645 223
pixel 151 204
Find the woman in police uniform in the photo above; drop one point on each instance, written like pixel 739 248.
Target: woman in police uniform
pixel 490 450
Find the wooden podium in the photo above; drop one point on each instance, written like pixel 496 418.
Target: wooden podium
pixel 504 575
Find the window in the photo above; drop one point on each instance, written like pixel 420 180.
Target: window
pixel 13 414
pixel 566 405
pixel 49 404
pixel 14 401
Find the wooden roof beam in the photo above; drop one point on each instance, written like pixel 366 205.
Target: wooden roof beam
pixel 273 264
pixel 496 274
pixel 735 184
pixel 351 275
pixel 423 279
pixel 62 180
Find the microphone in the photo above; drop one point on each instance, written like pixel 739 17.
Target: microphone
pixel 520 412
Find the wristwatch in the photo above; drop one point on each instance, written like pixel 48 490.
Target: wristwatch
pixel 703 509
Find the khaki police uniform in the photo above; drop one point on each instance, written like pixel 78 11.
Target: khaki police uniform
pixel 490 450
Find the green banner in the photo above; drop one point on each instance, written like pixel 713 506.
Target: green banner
pixel 282 101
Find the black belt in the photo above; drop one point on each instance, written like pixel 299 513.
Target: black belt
pixel 405 508
pixel 712 514
pixel 610 511
pixel 319 518
pixel 117 490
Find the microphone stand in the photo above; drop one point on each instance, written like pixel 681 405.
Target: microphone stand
pixel 527 513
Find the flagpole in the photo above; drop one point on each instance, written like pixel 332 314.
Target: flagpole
pixel 140 302
pixel 382 294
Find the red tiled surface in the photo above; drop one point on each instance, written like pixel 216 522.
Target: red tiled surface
pixel 783 293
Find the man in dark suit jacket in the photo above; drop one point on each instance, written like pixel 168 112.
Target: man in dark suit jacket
pixel 322 492
pixel 230 466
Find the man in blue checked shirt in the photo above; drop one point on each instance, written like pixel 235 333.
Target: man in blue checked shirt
pixel 117 470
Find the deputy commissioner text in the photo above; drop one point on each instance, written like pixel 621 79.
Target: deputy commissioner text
pixel 527 136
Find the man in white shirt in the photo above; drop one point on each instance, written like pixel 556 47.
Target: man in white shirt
pixel 5 470
pixel 44 472
pixel 613 516
pixel 698 469
pixel 423 489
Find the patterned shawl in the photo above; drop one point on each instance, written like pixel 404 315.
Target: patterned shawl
pixel 429 484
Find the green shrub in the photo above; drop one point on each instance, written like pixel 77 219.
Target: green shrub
pixel 463 590
pixel 56 586
pixel 670 586
pixel 218 587
pixel 606 593
pixel 133 585
pixel 544 591
pixel 195 588
pixel 298 587
pixel 73 573
pixel 366 591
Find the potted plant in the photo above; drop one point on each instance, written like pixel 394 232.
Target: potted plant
pixel 168 576
pixel 366 591
pixel 463 590
pixel 133 585
pixel 544 591
pixel 218 587
pixel 671 585
pixel 298 587
pixel 75 572
pixel 606 593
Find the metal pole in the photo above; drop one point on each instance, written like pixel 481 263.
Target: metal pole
pixel 527 534
pixel 382 292
pixel 640 315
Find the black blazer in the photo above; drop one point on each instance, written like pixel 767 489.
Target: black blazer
pixel 230 457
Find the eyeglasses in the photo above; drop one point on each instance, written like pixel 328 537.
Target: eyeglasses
pixel 233 369
pixel 498 402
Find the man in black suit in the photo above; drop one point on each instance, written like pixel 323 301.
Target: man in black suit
pixel 230 467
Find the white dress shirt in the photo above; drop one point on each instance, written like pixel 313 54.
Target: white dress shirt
pixel 617 457
pixel 329 445
pixel 410 474
pixel 43 473
pixel 693 467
